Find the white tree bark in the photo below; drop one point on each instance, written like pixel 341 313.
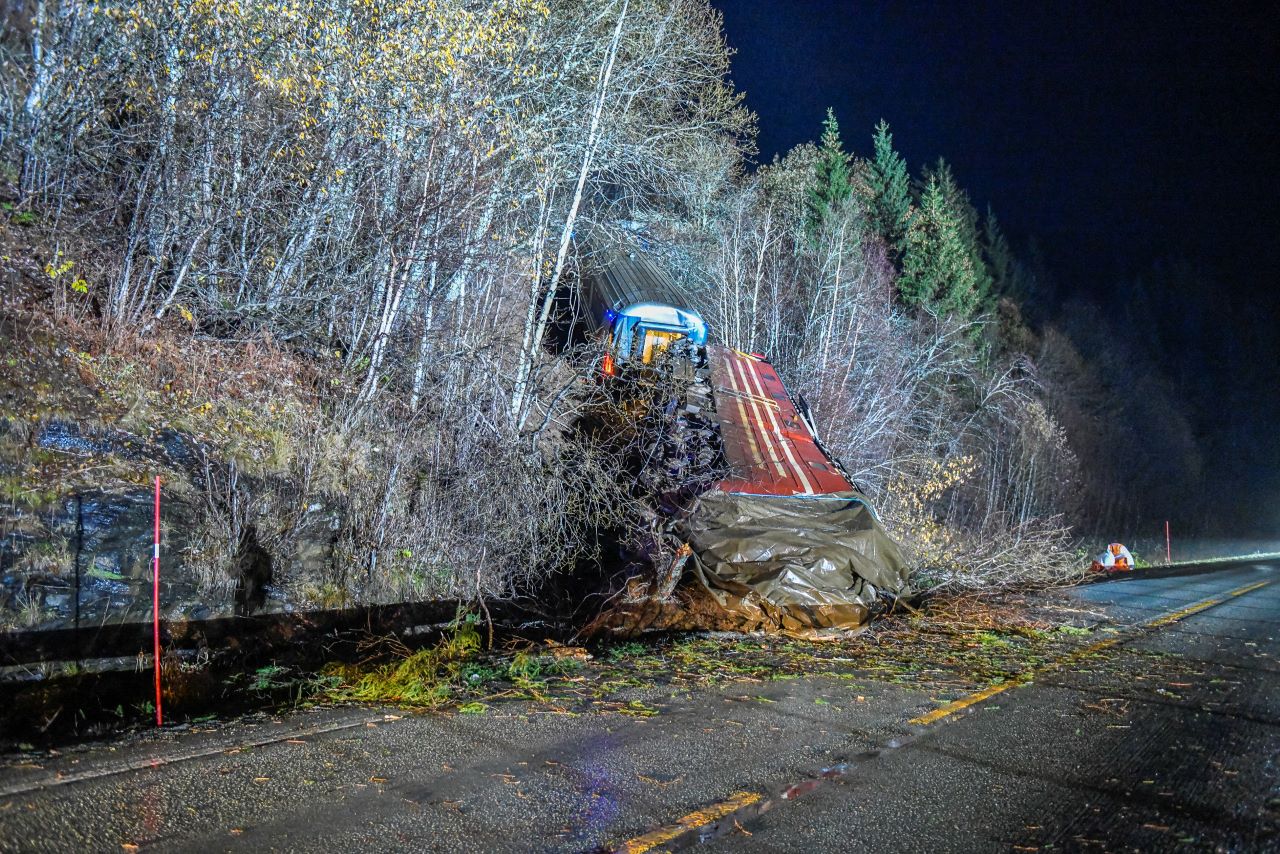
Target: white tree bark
pixel 535 331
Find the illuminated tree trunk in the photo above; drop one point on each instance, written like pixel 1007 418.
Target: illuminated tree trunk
pixel 534 331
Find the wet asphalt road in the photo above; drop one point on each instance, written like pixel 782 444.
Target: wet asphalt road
pixel 1169 739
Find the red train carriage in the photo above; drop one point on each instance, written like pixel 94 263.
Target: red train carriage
pixel 786 542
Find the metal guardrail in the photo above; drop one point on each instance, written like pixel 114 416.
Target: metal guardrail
pixel 1232 560
pixel 260 635
pixel 252 636
pixel 1187 567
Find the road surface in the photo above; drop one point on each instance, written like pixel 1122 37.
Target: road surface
pixel 1162 736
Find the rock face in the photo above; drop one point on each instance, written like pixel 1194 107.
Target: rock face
pixel 77 530
pixel 252 572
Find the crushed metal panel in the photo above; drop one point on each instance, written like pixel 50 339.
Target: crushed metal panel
pixel 785 544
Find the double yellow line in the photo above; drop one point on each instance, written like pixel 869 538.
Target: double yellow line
pixel 1022 679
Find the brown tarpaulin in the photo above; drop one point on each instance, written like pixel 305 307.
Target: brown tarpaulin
pixel 805 566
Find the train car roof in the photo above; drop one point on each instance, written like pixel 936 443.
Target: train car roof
pixel 622 277
pixel 769 447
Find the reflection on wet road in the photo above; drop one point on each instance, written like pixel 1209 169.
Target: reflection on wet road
pixel 1166 735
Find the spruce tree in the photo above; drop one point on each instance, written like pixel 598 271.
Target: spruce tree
pixel 999 255
pixel 890 189
pixel 965 218
pixel 831 185
pixel 937 271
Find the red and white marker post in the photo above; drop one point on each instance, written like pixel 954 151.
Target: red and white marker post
pixel 155 600
pixel 1168 544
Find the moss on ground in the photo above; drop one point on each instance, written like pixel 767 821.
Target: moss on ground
pixel 951 647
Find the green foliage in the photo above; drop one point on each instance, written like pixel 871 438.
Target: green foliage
pixel 968 232
pixel 428 677
pixel 630 649
pixel 937 266
pixel 524 668
pixel 889 188
pixel 990 639
pixel 475 673
pixel 418 680
pixel 999 257
pixel 831 186
pixel 269 678
pixel 637 709
pixel 96 571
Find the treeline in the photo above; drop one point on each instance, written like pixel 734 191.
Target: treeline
pixel 388 190
pixel 392 192
pixel 879 294
pixel 1157 381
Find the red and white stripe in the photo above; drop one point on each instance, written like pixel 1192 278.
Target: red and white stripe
pixel 774 438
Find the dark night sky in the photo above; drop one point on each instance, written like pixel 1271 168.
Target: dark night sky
pixel 1115 133
pixel 1118 135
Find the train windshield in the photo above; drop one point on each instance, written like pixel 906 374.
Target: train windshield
pixel 645 330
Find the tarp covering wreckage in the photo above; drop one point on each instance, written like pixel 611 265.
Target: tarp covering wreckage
pixel 786 543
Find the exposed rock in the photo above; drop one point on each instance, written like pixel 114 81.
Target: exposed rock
pixel 84 549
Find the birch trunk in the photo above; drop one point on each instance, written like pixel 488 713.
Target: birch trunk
pixel 533 336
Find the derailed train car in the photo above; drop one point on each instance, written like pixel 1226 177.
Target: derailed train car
pixel 635 306
pixel 786 542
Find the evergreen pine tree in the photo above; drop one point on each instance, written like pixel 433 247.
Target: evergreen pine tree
pixel 965 218
pixel 890 189
pixel 937 271
pixel 831 185
pixel 999 255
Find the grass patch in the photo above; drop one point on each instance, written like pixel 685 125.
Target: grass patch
pixel 428 677
pixel 948 646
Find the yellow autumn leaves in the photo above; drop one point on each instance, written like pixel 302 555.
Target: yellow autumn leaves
pixel 912 503
pixel 324 60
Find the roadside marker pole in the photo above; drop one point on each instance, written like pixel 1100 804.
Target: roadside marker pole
pixel 155 600
pixel 1168 548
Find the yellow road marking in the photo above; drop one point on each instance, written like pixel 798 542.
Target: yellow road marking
pixel 1206 604
pixel 988 692
pixel 693 821
pixel 963 703
pixel 717 811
